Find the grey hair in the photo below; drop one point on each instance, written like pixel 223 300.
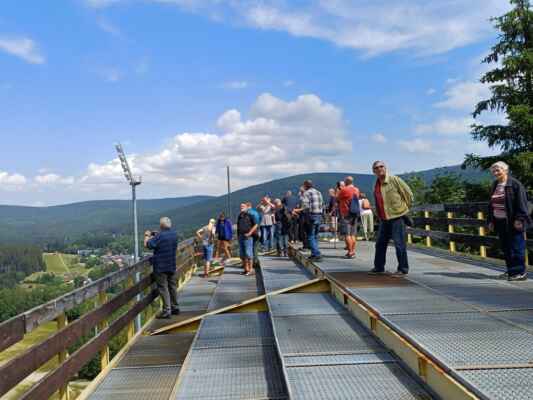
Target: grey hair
pixel 165 222
pixel 277 202
pixel 500 164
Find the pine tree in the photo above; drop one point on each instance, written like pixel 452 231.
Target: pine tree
pixel 511 86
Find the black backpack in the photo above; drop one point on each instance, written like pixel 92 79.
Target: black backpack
pixel 244 223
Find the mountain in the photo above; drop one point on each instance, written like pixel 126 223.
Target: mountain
pixel 44 224
pixel 189 217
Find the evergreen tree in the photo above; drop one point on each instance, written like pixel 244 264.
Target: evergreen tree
pixel 511 86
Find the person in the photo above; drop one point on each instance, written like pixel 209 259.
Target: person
pixel 291 202
pixel 224 231
pixel 393 198
pixel 367 216
pixel 206 235
pixel 508 216
pixel 282 227
pixel 303 221
pixel 313 205
pixel 164 245
pixel 257 220
pixel 266 208
pixel 348 219
pixel 246 227
pixel 331 211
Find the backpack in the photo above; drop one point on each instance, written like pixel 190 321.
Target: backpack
pixel 355 210
pixel 366 204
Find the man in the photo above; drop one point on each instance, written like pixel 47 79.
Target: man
pixel 303 221
pixel 393 198
pixel 291 202
pixel 164 245
pixel 257 220
pixel 267 210
pixel 246 227
pixel 348 220
pixel 313 205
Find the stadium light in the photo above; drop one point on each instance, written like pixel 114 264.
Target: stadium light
pixel 133 182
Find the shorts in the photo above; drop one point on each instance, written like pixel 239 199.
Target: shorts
pixel 208 253
pixel 246 247
pixel 348 225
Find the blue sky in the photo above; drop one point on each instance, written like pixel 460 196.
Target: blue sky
pixel 271 87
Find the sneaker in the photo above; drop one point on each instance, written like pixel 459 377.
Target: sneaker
pixel 376 272
pixel 163 315
pixel 176 311
pixel 504 276
pixel 349 256
pixel 517 277
pixel 399 273
pixel 315 258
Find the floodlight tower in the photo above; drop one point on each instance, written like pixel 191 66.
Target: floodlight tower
pixel 133 182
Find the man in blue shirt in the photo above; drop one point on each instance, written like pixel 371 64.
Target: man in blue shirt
pixel 164 244
pixel 257 220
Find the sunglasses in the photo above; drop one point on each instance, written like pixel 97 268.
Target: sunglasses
pixel 379 167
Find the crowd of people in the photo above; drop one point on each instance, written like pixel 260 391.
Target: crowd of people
pixel 273 224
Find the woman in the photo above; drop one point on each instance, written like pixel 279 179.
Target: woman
pixel 332 213
pixel 224 232
pixel 207 236
pixel 266 208
pixel 509 218
pixel 281 233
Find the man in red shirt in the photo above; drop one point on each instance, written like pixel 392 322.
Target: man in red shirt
pixel 348 222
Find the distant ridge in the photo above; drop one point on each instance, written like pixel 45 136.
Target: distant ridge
pixel 43 225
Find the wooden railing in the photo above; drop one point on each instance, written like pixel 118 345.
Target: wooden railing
pixel 456 225
pixel 98 320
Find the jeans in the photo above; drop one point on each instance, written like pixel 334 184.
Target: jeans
pixel 166 285
pixel 312 233
pixel 208 252
pixel 281 239
pixel 246 247
pixel 513 244
pixel 303 230
pixel 392 229
pixel 293 229
pixel 266 236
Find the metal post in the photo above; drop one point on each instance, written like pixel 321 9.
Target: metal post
pixel 482 249
pixel 451 229
pixel 229 194
pixel 428 228
pixel 136 248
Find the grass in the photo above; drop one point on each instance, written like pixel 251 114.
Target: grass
pixel 55 263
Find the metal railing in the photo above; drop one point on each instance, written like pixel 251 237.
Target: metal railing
pixel 98 319
pixel 462 224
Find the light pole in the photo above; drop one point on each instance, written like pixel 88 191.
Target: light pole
pixel 133 182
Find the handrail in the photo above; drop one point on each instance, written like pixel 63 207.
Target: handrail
pixel 14 329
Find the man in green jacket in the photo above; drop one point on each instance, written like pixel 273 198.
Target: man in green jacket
pixel 393 198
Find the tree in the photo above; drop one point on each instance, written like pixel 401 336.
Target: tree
pixel 419 188
pixel 512 93
pixel 448 188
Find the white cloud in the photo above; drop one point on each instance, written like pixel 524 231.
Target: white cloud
pixel 370 26
pixel 464 96
pixel 416 145
pixel 22 47
pixel 378 138
pixel 235 85
pixel 12 179
pixel 446 126
pixel 279 138
pixel 431 91
pixel 54 179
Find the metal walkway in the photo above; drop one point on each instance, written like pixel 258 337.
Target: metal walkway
pixel 478 328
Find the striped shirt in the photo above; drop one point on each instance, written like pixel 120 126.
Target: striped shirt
pixel 498 202
pixel 312 201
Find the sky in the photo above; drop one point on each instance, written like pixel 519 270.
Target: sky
pixel 271 88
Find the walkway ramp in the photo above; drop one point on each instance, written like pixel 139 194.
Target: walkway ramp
pixel 475 327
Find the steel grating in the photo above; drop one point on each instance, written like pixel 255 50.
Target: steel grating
pixel 409 300
pixel 522 318
pixel 338 359
pixel 159 350
pixel 354 382
pixel 232 374
pixel 502 384
pixel 363 279
pixel 304 304
pixel 467 339
pixel 224 299
pixel 277 284
pixel 314 335
pixel 147 383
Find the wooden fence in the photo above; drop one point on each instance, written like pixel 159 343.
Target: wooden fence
pixel 97 320
pixel 456 225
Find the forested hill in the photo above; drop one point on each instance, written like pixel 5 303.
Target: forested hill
pixel 41 225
